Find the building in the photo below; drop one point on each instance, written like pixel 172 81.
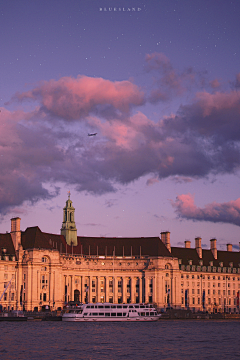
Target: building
pixel 39 270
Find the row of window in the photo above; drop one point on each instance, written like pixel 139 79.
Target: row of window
pixel 209 301
pixel 214 292
pixel 118 314
pixel 8 298
pixel 187 276
pixel 210 269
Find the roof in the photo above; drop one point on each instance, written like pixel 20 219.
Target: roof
pixel 6 243
pixel 224 257
pixel 150 246
pixel 33 237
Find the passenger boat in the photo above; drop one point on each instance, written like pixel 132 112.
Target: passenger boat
pixel 112 312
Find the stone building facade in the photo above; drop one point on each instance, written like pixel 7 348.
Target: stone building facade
pixel 40 270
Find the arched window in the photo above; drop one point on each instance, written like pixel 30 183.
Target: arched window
pixel 76 295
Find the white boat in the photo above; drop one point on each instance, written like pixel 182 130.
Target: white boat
pixel 112 312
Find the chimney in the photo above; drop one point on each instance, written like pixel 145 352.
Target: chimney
pixel 198 246
pixel 187 244
pixel 16 232
pixel 165 237
pixel 229 247
pixel 214 248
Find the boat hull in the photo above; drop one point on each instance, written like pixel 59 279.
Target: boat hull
pixel 108 312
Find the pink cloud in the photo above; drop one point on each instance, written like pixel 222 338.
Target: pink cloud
pixel 152 181
pixel 228 212
pixel 70 98
pixel 215 83
pixel 168 81
pixel 212 103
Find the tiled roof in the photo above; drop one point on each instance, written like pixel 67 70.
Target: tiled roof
pixel 225 257
pixel 151 246
pixel 6 243
pixel 34 238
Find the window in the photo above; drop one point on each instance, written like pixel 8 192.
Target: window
pixel 44 297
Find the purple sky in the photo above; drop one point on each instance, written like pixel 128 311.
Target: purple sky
pixel 161 88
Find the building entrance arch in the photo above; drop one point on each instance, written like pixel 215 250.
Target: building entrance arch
pixel 76 295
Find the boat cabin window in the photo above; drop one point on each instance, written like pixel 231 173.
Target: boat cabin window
pixel 107 307
pixel 100 306
pixel 107 314
pixel 113 307
pixel 130 306
pixel 113 314
pixel 119 306
pixel 125 306
pixel 137 306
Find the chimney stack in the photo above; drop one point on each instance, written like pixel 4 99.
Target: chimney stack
pixel 187 244
pixel 229 247
pixel 16 232
pixel 165 237
pixel 198 246
pixel 214 248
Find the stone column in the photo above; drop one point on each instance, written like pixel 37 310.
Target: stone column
pixel 83 289
pixel 115 285
pixel 133 290
pixel 140 289
pixel 107 288
pixel 124 290
pixel 146 289
pixel 153 290
pixel 98 289
pixel 71 287
pixel 90 289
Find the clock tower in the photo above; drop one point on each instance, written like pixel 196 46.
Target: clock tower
pixel 69 230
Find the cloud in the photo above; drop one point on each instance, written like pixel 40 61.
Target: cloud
pixel 202 138
pixel 236 83
pixel 168 82
pixel 215 83
pixel 72 99
pixel 228 212
pixel 152 181
pixel 181 179
pixel 111 202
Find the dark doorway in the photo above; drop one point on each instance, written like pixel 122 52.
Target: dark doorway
pixel 76 295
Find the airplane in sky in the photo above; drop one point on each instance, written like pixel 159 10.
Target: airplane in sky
pixel 94 134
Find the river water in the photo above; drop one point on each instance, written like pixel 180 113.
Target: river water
pixel 165 339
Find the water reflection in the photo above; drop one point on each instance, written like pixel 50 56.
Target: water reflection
pixel 161 340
